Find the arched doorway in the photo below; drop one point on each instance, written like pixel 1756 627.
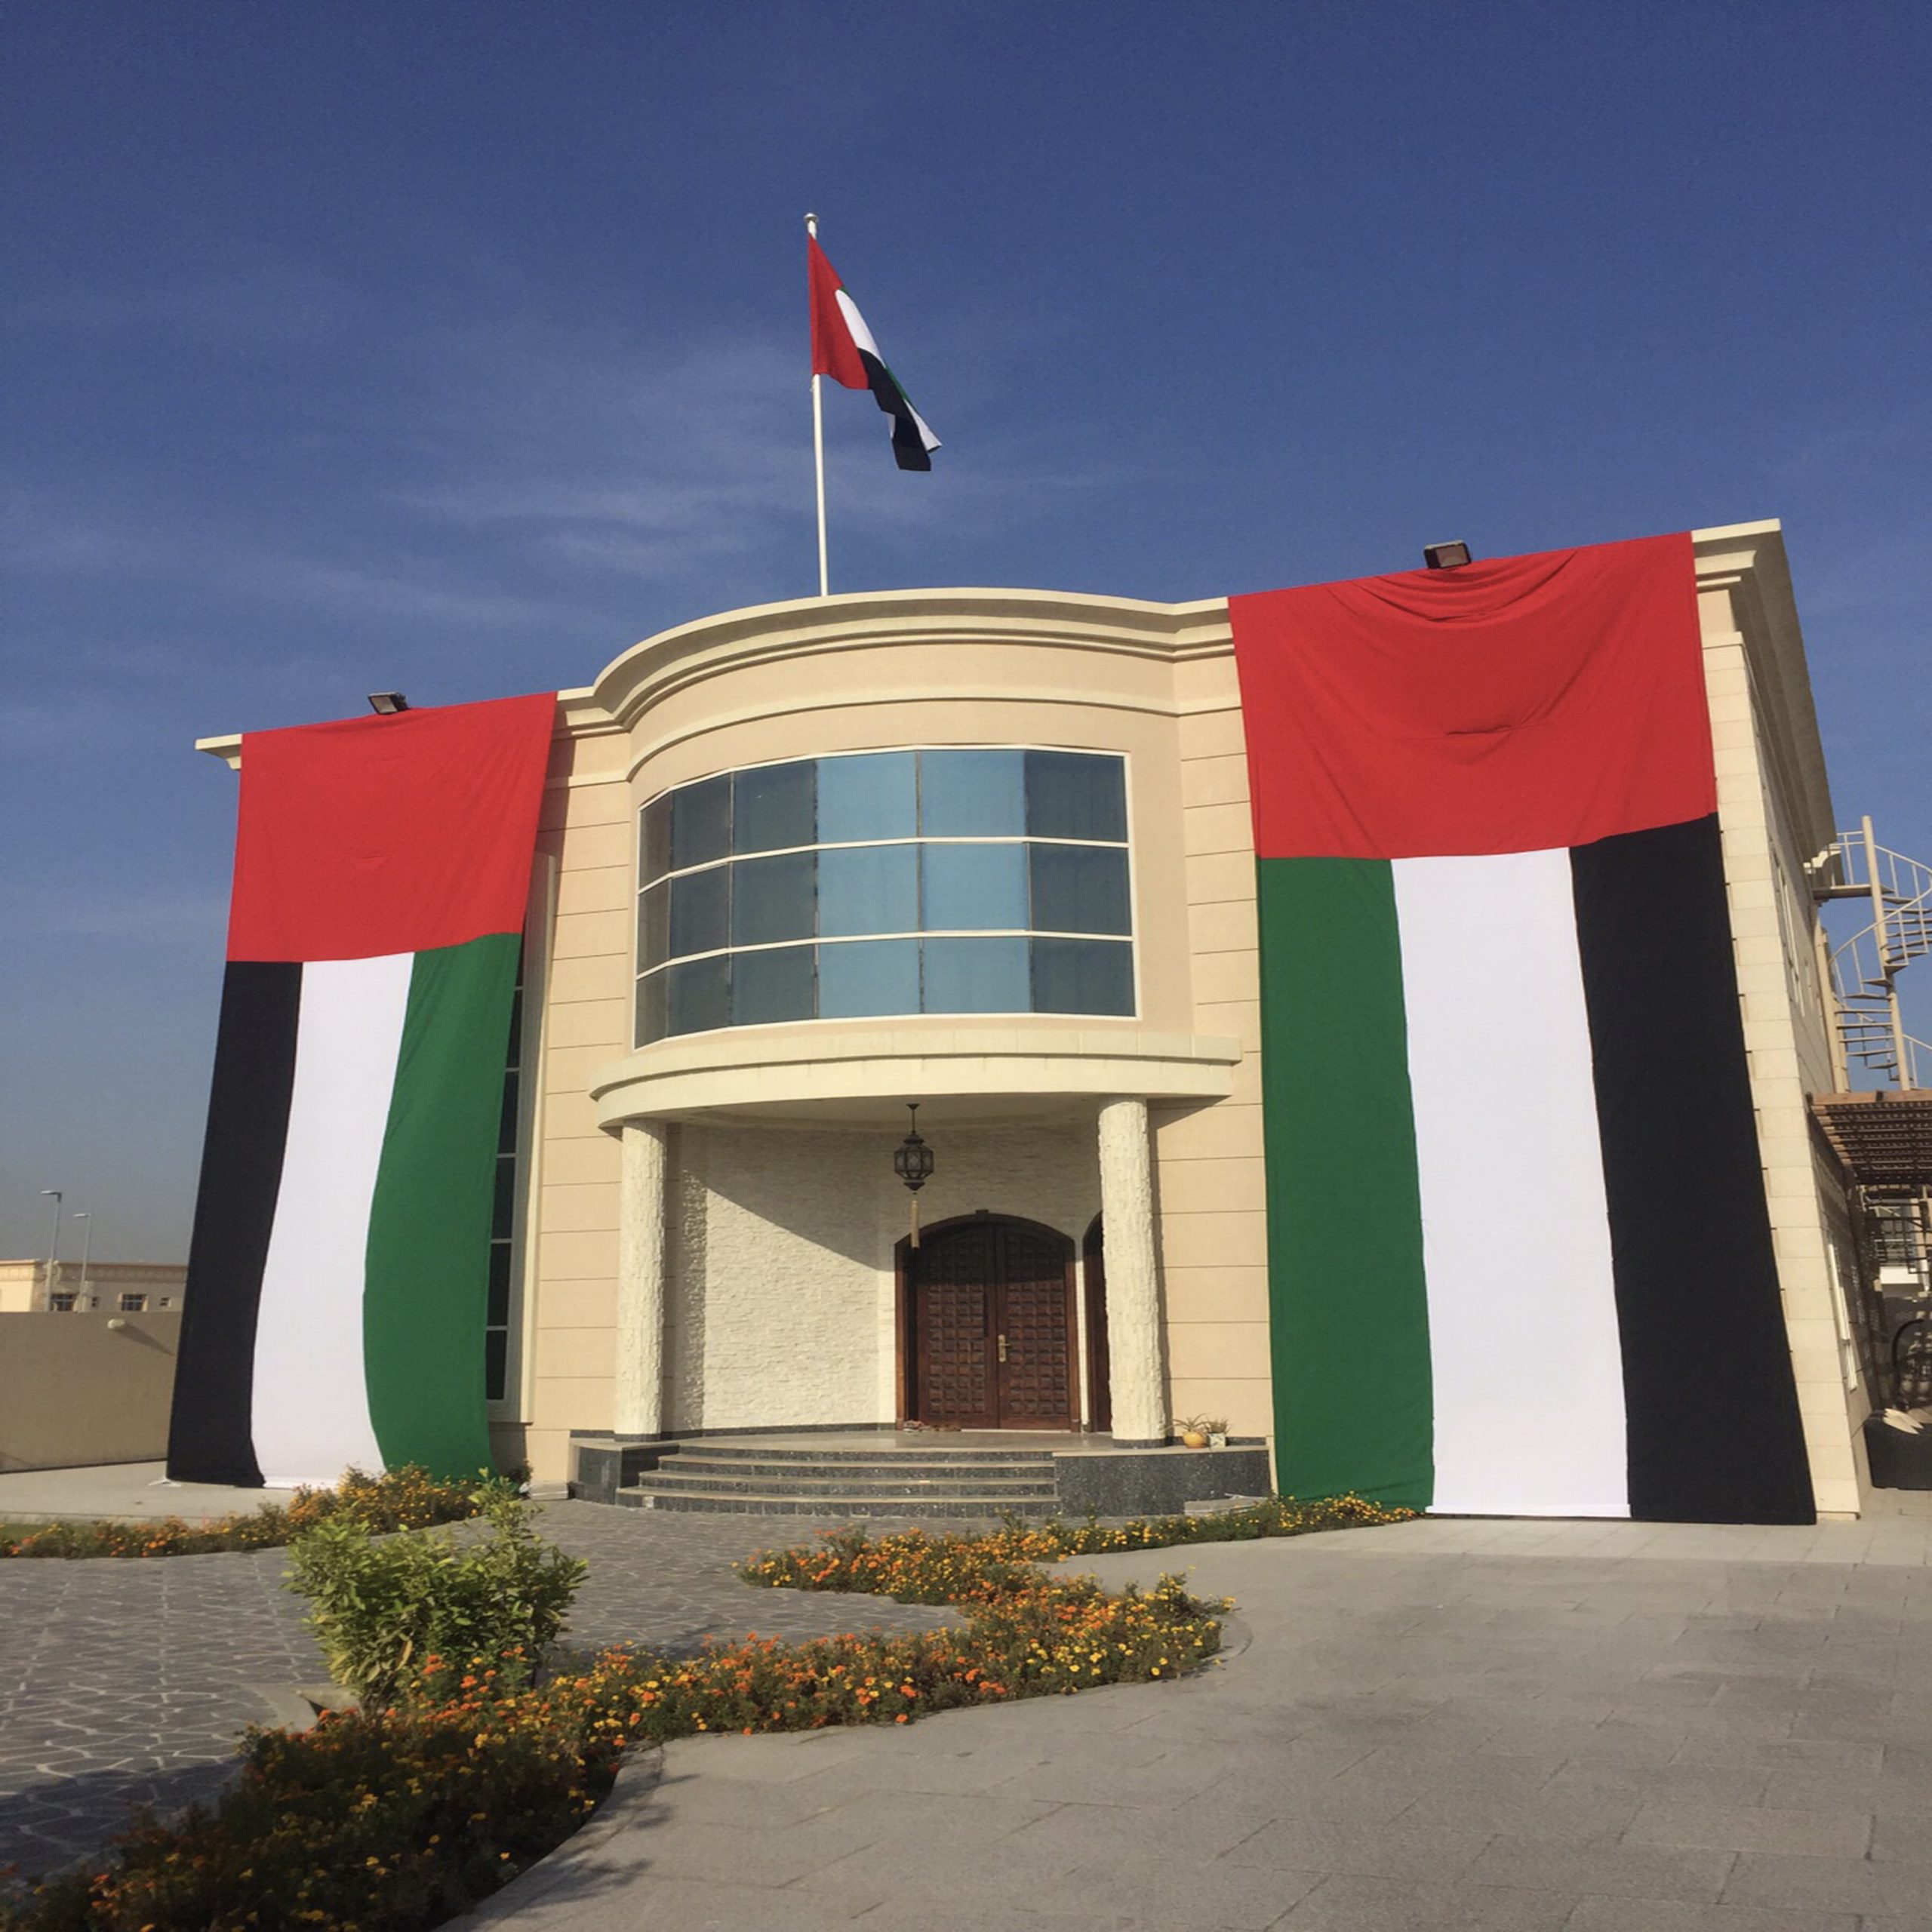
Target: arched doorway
pixel 986 1328
pixel 1099 1364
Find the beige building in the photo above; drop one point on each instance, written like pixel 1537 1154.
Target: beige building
pixel 702 1234
pixel 114 1287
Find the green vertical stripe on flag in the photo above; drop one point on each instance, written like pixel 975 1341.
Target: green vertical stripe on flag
pixel 424 1306
pixel 1349 1314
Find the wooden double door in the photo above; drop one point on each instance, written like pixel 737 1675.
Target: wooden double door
pixel 990 1339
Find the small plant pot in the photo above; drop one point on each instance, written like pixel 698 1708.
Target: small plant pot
pixel 1216 1440
pixel 1194 1438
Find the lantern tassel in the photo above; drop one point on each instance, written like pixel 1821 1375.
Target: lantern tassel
pixel 916 1220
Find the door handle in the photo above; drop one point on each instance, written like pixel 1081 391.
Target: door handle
pixel 1002 1348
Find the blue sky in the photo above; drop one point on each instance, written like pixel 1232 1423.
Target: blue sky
pixel 454 347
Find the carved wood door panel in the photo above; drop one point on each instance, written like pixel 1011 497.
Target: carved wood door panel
pixel 993 1342
pixel 1036 1361
pixel 953 1278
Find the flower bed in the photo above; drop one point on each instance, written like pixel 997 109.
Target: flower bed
pixel 917 1567
pixel 393 1820
pixel 404 1498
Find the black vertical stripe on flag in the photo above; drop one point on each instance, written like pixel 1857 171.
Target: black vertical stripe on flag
pixel 211 1431
pixel 1714 1435
pixel 908 448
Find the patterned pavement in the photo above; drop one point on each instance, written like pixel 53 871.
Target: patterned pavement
pixel 128 1682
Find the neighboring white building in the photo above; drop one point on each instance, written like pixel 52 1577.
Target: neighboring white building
pixel 111 1287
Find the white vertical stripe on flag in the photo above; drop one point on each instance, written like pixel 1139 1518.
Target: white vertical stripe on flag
pixel 311 1392
pixel 1529 1407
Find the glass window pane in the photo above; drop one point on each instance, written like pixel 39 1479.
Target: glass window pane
pixel 698 906
pixel 496 1362
pixel 976 976
pixel 650 1009
pixel 503 1209
pixel 868 889
pixel 772 806
pixel 970 794
pixel 973 886
pixel 1079 889
pixel 700 821
pixel 868 976
pixel 1082 975
pixel 506 1119
pixel 654 926
pixel 696 998
pixel 872 794
pixel 1076 795
pixel 772 899
pixel 767 987
pixel 653 840
pixel 500 1283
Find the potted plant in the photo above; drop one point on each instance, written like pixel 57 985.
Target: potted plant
pixel 1192 1431
pixel 1217 1427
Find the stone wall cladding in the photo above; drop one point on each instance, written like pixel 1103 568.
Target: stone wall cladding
pixel 781 1244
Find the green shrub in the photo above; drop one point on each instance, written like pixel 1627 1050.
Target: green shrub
pixel 383 1608
pixel 409 1498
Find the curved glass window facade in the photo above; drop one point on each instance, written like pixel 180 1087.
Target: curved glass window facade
pixel 873 883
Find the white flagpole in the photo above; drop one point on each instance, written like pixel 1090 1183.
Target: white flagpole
pixel 818 450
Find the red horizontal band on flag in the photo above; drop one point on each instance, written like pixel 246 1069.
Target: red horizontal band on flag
pixel 371 835
pixel 1508 706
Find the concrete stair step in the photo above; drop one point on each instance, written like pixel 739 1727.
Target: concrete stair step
pixel 668 1480
pixel 886 1453
pixel 870 1470
pixel 730 1503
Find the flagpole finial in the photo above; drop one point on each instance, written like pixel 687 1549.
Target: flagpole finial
pixel 811 224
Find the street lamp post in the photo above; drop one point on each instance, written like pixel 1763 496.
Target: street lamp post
pixel 87 1242
pixel 53 1247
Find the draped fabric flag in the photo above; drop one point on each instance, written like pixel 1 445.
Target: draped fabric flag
pixel 338 1275
pixel 1520 1258
pixel 843 348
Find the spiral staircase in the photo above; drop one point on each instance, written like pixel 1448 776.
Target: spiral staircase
pixel 1879 1125
pixel 1865 969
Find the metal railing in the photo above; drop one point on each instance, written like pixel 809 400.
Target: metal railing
pixel 1865 969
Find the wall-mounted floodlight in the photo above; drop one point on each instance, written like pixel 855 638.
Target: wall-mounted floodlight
pixel 1437 556
pixel 387 704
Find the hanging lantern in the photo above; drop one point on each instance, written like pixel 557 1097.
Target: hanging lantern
pixel 913 1162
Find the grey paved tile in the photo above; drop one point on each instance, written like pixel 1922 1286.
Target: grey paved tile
pixel 899 1916
pixel 1349 1904
pixel 1754 1827
pixel 1160 1891
pixel 1620 1871
pixel 940 1872
pixel 1903 1835
pixel 1603 1915
pixel 1400 1849
pixel 1831 1884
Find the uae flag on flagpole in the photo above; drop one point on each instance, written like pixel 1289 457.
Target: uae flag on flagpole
pixel 338 1275
pixel 1520 1258
pixel 843 348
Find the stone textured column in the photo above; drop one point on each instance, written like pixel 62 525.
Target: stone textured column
pixel 638 1407
pixel 1134 1292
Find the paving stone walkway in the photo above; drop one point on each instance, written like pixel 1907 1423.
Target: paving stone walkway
pixel 1512 1727
pixel 128 1682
